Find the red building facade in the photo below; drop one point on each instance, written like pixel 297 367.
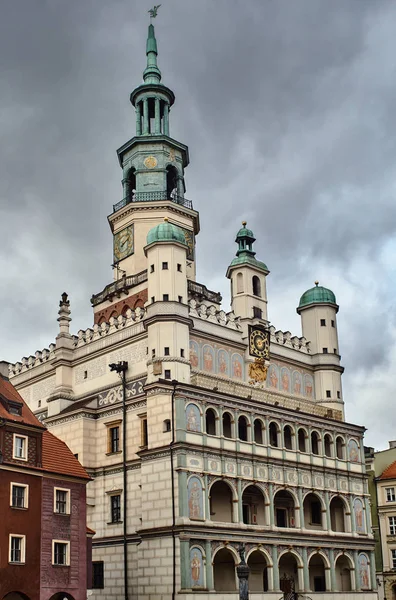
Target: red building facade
pixel 43 535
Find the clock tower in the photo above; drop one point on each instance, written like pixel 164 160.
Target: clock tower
pixel 153 182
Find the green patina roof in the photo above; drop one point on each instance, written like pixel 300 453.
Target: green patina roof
pixel 246 258
pixel 166 232
pixel 245 254
pixel 317 295
pixel 244 232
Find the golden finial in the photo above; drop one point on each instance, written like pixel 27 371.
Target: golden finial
pixel 316 282
pixel 166 219
pixel 244 223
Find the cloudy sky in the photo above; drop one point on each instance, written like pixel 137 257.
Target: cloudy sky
pixel 288 110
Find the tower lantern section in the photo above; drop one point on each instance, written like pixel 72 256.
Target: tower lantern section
pixel 167 319
pixel 318 310
pixel 248 279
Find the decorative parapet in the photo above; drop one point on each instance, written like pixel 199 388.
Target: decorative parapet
pixel 82 338
pixel 285 338
pixel 200 292
pixel 212 314
pixel 121 286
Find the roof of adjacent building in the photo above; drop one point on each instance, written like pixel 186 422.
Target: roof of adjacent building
pixel 390 472
pixel 58 458
pixel 166 232
pixel 9 393
pixel 317 295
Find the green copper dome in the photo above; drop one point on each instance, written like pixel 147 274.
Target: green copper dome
pixel 166 232
pixel 317 295
pixel 247 259
pixel 244 232
pixel 245 254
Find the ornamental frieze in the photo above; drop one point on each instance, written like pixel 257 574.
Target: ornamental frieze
pixel 133 390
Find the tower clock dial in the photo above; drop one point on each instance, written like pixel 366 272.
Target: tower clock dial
pixel 259 344
pixel 123 243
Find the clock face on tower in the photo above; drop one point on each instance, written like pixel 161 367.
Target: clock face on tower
pixel 123 243
pixel 259 342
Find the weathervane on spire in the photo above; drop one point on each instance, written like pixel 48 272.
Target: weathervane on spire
pixel 154 11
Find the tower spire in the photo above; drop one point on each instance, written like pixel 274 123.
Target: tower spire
pixel 151 74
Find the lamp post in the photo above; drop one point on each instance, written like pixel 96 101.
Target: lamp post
pixel 121 368
pixel 243 574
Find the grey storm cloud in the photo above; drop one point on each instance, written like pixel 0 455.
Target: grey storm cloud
pixel 288 110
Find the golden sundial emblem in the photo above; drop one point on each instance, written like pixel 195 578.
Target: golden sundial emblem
pixel 150 162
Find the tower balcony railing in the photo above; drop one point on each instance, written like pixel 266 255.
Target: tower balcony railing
pixel 152 197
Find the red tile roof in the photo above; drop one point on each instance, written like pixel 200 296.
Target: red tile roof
pixel 58 458
pixel 390 472
pixel 8 391
pixel 90 531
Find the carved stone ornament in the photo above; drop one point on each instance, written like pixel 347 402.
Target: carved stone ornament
pixel 150 162
pixel 258 371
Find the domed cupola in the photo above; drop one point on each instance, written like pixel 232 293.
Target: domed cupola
pixel 317 295
pixel 166 232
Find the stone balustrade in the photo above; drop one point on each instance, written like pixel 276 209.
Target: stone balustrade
pixel 212 314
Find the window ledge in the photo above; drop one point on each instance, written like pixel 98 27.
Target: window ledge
pixel 16 563
pixel 19 507
pixel 111 453
pixel 114 522
pixel 61 566
pixel 61 514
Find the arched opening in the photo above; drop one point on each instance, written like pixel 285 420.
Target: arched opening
pixel 288 437
pixel 224 571
pixel 210 421
pixel 302 446
pixel 171 183
pixel 317 579
pixel 130 186
pixel 288 574
pixel 221 502
pixel 284 509
pixel 258 431
pixel 113 315
pixel 315 442
pixel 312 512
pixel 102 320
pixel 340 447
pixel 239 283
pixel 258 576
pixel 337 514
pixel 16 596
pixel 243 428
pixel 394 592
pixel 273 431
pixel 328 445
pixel 253 506
pixel 62 596
pixel 343 574
pixel 227 425
pixel 125 310
pixel 256 283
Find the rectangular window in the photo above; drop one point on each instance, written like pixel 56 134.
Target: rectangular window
pixel 115 503
pixel 165 297
pixel 182 352
pixel 328 393
pixel 151 268
pixel 152 299
pixel 335 350
pixel 332 323
pixel 390 494
pixel 323 322
pixel 61 501
pixel 98 575
pixel 166 351
pixel 179 267
pixel 20 447
pixel 393 559
pixel 143 432
pixel 316 513
pixel 167 374
pixel 19 495
pixel 325 350
pixel 392 525
pixel 60 553
pixel 338 394
pixel 164 266
pixel 17 544
pixel 180 299
pixel 114 439
pixel 257 313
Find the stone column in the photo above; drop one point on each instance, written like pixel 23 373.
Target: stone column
pixel 357 578
pixel 306 570
pixel 206 498
pixel 367 514
pixel 240 509
pixel 332 571
pixel 183 503
pixel 243 575
pixel 209 569
pixel 275 569
pixel 138 119
pixel 271 501
pixel 353 520
pixel 185 564
pixel 300 515
pixel 166 118
pixel 373 574
pixel 328 516
pixel 157 117
pixel 145 117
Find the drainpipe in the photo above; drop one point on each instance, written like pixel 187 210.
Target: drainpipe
pixel 121 368
pixel 174 382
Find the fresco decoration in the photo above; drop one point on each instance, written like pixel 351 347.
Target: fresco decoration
pixel 273 377
pixel 217 360
pixel 197 571
pixel 208 358
pixel 193 418
pixel 353 451
pixel 297 383
pixel 359 516
pixel 189 235
pixel 285 379
pixel 364 574
pixel 195 499
pixel 308 386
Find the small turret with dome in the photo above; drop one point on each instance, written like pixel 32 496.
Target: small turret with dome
pixel 248 279
pixel 166 232
pixel 317 295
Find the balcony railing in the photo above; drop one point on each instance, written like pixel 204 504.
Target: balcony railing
pixel 123 284
pixel 152 197
pixel 200 290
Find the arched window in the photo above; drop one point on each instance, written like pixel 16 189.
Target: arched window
pixel 327 445
pixel 253 506
pixel 340 447
pixel 288 437
pixel 130 185
pixel 239 283
pixel 312 512
pixel 284 509
pixel 221 502
pixel 273 434
pixel 171 182
pixel 256 286
pixel 210 421
pixel 227 425
pixel 315 442
pixel 343 568
pixel 224 571
pixel 317 579
pixel 243 428
pixel 337 514
pixel 302 440
pixel 258 431
pixel 258 576
pixel 289 581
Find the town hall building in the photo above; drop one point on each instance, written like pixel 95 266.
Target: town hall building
pixel 202 428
